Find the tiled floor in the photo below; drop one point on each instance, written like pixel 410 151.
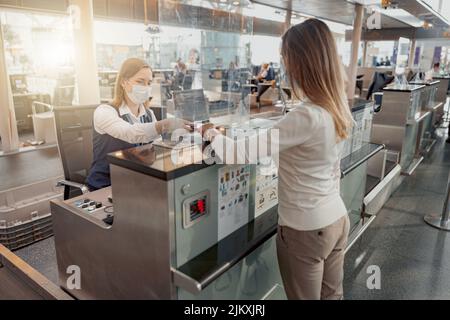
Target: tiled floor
pixel 42 257
pixel 414 258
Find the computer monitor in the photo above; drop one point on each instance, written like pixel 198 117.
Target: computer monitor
pixel 191 105
pixel 18 83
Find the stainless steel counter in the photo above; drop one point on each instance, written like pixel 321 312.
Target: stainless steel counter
pixel 397 125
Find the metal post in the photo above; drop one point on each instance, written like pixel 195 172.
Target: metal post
pixel 441 222
pixel 288 19
pixel 86 70
pixel 356 38
pixel 364 57
pixel 8 125
pixel 412 51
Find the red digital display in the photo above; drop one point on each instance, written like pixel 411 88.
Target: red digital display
pixel 198 207
pixel 201 206
pixel 195 209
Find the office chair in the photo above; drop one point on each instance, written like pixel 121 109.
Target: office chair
pixel 225 86
pixel 360 83
pixel 380 80
pixel 63 95
pixel 231 86
pixel 187 82
pixel 18 83
pixel 178 81
pixel 270 74
pixel 74 130
pixel 255 70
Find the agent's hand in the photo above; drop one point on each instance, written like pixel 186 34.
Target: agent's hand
pixel 172 124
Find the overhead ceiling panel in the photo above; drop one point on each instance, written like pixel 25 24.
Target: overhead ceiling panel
pixel 343 10
pixel 334 10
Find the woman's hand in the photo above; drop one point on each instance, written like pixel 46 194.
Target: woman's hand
pixel 205 128
pixel 172 124
pixel 208 131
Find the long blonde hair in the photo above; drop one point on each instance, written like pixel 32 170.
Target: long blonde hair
pixel 315 71
pixel 129 68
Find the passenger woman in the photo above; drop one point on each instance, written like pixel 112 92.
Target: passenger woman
pixel 313 220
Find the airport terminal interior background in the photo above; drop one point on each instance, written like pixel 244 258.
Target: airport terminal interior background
pixel 396 181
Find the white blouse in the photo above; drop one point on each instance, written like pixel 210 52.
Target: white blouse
pixel 108 121
pixel 309 168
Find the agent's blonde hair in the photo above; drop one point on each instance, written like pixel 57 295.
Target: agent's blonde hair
pixel 315 71
pixel 128 70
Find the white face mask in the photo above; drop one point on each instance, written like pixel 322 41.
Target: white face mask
pixel 140 94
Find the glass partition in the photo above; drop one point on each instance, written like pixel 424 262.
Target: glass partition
pixel 401 60
pixel 39 60
pixel 205 59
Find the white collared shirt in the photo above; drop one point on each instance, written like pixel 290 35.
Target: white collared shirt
pixel 123 110
pixel 108 121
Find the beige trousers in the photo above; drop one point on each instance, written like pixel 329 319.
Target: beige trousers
pixel 312 262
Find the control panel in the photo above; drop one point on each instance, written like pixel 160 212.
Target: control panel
pixel 88 205
pixel 195 209
pixel 97 205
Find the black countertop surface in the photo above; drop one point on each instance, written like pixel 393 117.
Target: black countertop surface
pixel 157 161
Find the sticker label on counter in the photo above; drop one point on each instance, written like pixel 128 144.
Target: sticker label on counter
pixel 266 192
pixel 233 199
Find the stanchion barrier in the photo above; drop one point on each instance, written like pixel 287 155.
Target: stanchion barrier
pixel 441 221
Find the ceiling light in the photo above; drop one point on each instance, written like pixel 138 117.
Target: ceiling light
pixel 365 2
pixel 236 3
pixel 427 25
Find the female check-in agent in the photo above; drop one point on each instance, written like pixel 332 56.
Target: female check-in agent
pixel 127 122
pixel 313 221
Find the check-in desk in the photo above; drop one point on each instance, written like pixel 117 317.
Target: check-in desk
pixel 443 89
pixel 441 96
pixel 429 111
pixel 397 125
pixel 183 229
pixel 359 152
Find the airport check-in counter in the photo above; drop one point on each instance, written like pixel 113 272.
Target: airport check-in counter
pixel 359 152
pixel 430 112
pixel 397 124
pixel 441 95
pixel 183 230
